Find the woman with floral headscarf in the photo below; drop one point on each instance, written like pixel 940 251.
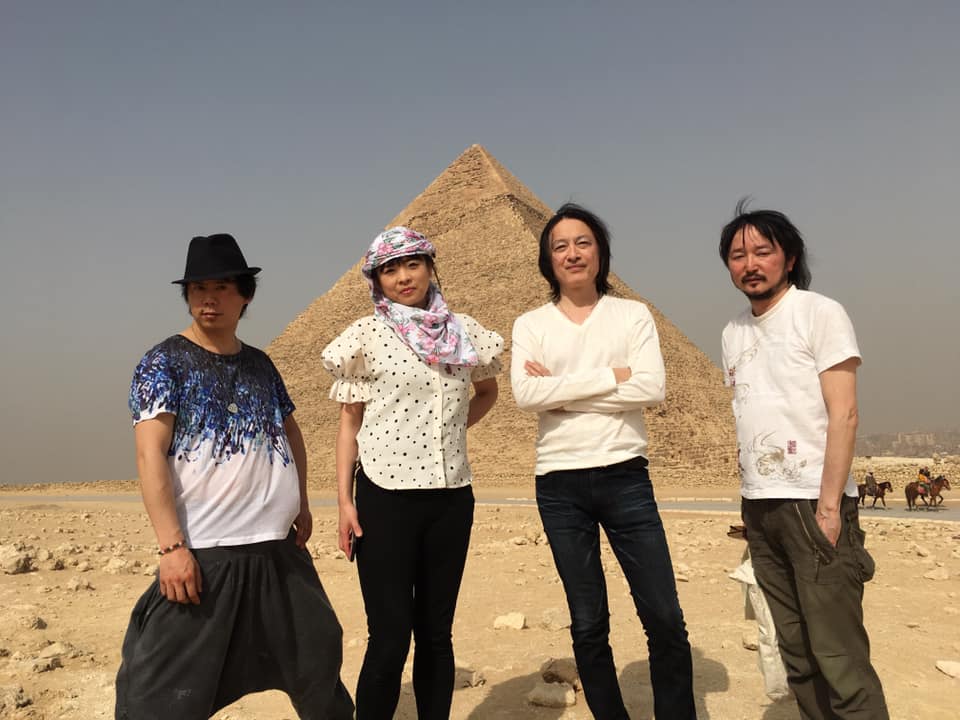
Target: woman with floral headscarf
pixel 403 378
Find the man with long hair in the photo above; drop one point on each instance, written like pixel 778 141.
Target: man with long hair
pixel 791 358
pixel 588 363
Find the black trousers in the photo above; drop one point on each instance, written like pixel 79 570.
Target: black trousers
pixel 411 561
pixel 263 623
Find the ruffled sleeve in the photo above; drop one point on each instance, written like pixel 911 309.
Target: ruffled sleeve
pixel 489 347
pixel 344 358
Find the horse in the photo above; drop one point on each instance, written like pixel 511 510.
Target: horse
pixel 878 492
pixel 912 492
pixel 939 484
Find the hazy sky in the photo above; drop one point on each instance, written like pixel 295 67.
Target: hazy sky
pixel 302 128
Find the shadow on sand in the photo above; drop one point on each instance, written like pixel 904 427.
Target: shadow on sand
pixel 508 699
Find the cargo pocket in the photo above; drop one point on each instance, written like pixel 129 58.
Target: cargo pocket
pixel 864 562
pixel 823 549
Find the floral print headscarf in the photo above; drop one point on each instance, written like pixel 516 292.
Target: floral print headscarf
pixel 433 333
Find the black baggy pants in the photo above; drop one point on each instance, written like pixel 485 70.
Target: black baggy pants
pixel 263 623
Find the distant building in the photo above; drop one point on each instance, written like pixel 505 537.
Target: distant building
pixel 910 444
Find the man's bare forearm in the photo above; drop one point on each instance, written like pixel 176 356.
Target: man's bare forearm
pixel 156 487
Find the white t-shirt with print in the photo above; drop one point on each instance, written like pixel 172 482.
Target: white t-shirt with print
pixel 235 480
pixel 773 363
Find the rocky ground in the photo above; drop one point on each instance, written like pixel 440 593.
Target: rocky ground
pixel 70 572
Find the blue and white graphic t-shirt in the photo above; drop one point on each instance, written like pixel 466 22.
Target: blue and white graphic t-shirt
pixel 234 477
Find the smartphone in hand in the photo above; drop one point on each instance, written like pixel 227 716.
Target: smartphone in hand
pixel 354 546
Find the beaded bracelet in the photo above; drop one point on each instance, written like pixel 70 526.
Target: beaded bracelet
pixel 171 548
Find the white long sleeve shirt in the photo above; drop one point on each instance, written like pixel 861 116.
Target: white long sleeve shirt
pixel 587 419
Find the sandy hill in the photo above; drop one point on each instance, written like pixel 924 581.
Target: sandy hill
pixel 485 224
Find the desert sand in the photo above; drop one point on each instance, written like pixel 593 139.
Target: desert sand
pixel 91 554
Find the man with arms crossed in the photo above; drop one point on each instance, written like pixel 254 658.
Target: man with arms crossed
pixel 792 360
pixel 587 364
pixel 237 606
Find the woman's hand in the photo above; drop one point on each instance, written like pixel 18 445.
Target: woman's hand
pixel 348 524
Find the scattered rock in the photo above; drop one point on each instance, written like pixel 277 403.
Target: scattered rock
pixel 940 573
pixel 920 550
pixel 552 695
pixel 11 698
pixel 76 584
pixel 59 650
pixel 750 641
pixel 555 619
pixel 15 559
pixel 40 664
pixel 34 622
pixel 117 566
pixel 949 667
pixel 518 540
pixel 913 625
pixel 511 621
pixel 561 671
pixel 466 676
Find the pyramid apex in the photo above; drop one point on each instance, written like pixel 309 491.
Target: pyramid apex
pixel 472 180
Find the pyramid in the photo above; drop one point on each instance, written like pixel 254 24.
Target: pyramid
pixel 486 226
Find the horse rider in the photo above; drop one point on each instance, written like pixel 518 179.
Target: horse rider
pixel 923 481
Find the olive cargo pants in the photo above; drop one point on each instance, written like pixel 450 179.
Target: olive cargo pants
pixel 815 593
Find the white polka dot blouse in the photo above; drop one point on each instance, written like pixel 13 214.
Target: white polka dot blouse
pixel 414 432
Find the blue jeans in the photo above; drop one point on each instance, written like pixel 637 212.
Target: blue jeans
pixel 573 505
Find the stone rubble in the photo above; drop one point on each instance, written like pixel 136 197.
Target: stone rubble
pixel 511 621
pixel 552 695
pixel 562 670
pixel 949 667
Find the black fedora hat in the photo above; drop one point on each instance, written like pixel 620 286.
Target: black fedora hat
pixel 213 257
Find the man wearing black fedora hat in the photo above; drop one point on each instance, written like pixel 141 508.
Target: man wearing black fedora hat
pixel 237 606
